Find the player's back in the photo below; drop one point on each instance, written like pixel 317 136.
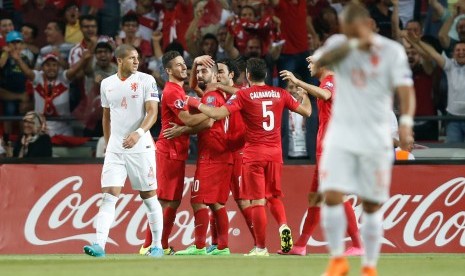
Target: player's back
pixel 261 110
pixel 171 104
pixel 365 82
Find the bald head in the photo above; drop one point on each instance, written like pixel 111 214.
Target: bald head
pixel 124 50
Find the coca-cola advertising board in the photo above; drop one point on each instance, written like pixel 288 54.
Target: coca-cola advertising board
pixel 52 208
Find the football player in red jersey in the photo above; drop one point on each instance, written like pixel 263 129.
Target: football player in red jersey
pixel 214 168
pixel 171 154
pixel 261 108
pixel 324 94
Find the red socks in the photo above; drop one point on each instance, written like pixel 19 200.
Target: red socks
pixel 148 237
pixel 213 228
pixel 259 225
pixel 247 213
pixel 201 221
pixel 311 221
pixel 352 228
pixel 277 210
pixel 169 215
pixel 222 223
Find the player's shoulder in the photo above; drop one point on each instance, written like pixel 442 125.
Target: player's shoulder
pixel 144 76
pixel 109 79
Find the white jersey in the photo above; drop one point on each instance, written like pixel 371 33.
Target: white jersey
pixel 365 82
pixel 126 100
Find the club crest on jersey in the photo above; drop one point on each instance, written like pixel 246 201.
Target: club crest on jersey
pixel 134 86
pixel 210 100
pixel 179 104
pixel 154 86
pixel 233 97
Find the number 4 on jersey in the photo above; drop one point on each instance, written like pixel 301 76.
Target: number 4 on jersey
pixel 124 104
pixel 268 126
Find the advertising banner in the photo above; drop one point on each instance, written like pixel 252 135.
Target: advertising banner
pixel 51 209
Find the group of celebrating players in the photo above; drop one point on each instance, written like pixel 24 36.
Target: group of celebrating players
pixel 239 134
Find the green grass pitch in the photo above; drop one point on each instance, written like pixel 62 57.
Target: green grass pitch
pixel 390 264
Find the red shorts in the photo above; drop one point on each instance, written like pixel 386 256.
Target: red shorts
pixel 211 183
pixel 236 175
pixel 261 180
pixel 170 177
pixel 316 179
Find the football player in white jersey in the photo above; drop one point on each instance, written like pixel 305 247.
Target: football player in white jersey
pixel 358 152
pixel 130 107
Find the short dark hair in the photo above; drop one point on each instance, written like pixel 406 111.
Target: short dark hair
pixel 168 57
pixel 413 21
pixel 232 67
pixel 130 17
pixel 210 36
pixel 35 30
pixel 88 17
pixel 175 46
pixel 103 45
pixel 256 67
pixel 250 8
pixel 60 25
pixel 458 43
pixel 123 49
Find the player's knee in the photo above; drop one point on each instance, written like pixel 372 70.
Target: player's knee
pixel 147 194
pixel 333 198
pixel 114 191
pixel 256 202
pixel 174 204
pixel 370 207
pixel 215 207
pixel 198 206
pixel 314 199
pixel 243 204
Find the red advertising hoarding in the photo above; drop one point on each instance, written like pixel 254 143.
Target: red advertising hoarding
pixel 51 209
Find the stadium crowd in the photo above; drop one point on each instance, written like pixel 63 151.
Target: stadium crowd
pixel 55 53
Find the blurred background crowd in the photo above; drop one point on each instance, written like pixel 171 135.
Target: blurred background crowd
pixel 55 53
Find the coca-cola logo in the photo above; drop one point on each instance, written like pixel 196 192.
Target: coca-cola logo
pixel 73 209
pixel 427 220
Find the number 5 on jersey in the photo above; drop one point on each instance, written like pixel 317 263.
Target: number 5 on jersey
pixel 268 126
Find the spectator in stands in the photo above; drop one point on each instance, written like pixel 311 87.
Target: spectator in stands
pixel 73 33
pixel 455 70
pixel 386 19
pixel 326 23
pixel 453 30
pixel 89 29
pixel 175 19
pixel 401 154
pixel 148 14
pixel 51 88
pixel 253 49
pixel 34 141
pixel 55 36
pixel 13 81
pixel 30 32
pixel 425 80
pixel 39 13
pixel 101 69
pixel 129 27
pixel 6 26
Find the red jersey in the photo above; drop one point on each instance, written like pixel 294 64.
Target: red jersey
pixel 213 143
pixel 236 131
pixel 261 108
pixel 294 21
pixel 324 112
pixel 172 102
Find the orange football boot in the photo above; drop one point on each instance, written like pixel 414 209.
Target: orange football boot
pixel 337 267
pixel 369 271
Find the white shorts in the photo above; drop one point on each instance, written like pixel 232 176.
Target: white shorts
pixel 365 175
pixel 140 167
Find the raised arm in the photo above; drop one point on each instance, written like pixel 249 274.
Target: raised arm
pixel 305 107
pixel 156 42
pixel 216 113
pixel 28 72
pixel 204 60
pixel 313 90
pixel 395 20
pixel 77 69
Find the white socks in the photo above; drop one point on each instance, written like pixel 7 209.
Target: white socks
pixel 155 217
pixel 334 223
pixel 105 218
pixel 372 232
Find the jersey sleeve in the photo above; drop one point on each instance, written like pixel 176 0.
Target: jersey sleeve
pixel 400 69
pixel 103 95
pixel 290 102
pixel 235 103
pixel 447 63
pixel 331 43
pixel 328 84
pixel 150 89
pixel 174 101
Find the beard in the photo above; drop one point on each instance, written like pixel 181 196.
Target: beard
pixel 254 54
pixel 202 85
